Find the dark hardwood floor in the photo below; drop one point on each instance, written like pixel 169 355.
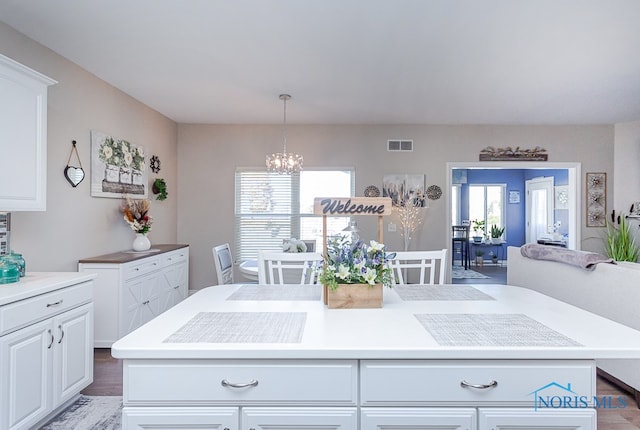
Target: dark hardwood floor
pixel 107 381
pixel 107 375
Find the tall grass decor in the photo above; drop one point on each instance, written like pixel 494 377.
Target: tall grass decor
pixel 621 243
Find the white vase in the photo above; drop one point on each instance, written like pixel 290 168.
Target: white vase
pixel 141 242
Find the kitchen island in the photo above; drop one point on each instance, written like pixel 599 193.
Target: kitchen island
pixel 460 356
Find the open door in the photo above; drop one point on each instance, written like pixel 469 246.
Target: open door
pixel 538 208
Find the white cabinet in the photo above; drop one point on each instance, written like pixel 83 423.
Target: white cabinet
pixel 23 137
pixel 541 419
pixel 497 388
pixel 46 357
pixel 418 418
pixel 161 418
pixel 300 418
pixel 133 288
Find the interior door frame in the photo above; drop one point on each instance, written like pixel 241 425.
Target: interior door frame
pixel 574 190
pixel 541 182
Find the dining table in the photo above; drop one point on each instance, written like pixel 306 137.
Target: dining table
pixel 249 269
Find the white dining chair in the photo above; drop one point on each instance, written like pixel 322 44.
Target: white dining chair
pixel 288 267
pixel 431 266
pixel 224 263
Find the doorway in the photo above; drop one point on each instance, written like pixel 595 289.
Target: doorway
pixel 573 189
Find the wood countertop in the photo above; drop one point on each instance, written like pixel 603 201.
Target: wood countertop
pixel 128 256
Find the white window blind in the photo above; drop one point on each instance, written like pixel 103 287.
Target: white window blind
pixel 270 207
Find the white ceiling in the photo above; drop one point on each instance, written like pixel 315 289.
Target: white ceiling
pixel 355 61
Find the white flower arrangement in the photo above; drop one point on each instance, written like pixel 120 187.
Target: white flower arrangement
pixel 294 245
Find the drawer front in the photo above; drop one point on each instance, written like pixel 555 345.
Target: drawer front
pixel 24 312
pixel 442 383
pixel 141 267
pixel 173 257
pixel 200 382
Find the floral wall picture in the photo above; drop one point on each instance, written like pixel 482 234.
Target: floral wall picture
pixel 404 188
pixel 118 167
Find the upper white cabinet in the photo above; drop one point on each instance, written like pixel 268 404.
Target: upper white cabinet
pixel 23 137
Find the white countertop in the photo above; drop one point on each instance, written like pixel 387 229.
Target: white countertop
pixel 36 283
pixel 392 332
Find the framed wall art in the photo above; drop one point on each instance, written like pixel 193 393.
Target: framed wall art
pixel 404 188
pixel 596 199
pixel 118 167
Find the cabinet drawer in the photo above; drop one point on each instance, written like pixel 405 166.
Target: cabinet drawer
pixel 142 267
pixel 174 257
pixel 200 382
pixel 416 383
pixel 24 312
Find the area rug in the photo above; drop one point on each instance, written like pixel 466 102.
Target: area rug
pixel 458 272
pixel 89 413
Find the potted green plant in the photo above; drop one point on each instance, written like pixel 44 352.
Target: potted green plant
pixel 160 188
pixel 478 230
pixel 496 233
pixel 479 257
pixel 621 244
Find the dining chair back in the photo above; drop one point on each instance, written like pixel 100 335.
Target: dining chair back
pixel 430 265
pixel 224 263
pixel 288 267
pixel 460 244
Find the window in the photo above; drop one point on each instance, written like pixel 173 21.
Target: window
pixel 270 207
pixel 486 202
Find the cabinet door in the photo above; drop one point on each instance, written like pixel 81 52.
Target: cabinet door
pixel 418 418
pixel 182 418
pixel 23 137
pixel 73 353
pixel 300 418
pixel 529 419
pixel 141 302
pixel 172 285
pixel 25 369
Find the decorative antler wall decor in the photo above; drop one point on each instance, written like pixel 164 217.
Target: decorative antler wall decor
pixel 513 154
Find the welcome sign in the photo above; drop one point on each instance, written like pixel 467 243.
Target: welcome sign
pixel 348 206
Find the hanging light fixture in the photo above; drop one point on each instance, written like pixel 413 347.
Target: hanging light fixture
pixel 283 162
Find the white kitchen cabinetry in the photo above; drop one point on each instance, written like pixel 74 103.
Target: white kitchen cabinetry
pixel 300 418
pixel 23 137
pixel 46 353
pixel 135 287
pixel 432 418
pixel 528 419
pixel 183 418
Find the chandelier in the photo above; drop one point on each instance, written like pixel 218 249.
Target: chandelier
pixel 283 162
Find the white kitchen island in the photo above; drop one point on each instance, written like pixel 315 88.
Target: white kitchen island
pixel 454 356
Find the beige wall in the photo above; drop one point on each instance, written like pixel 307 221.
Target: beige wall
pixel 209 154
pixel 626 162
pixel 198 162
pixel 76 225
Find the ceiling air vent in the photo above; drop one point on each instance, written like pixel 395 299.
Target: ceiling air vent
pixel 398 145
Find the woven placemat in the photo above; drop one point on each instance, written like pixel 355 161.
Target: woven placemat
pixel 491 330
pixel 440 292
pixel 277 292
pixel 242 327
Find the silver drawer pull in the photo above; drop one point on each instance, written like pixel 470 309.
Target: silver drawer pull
pixel 52 339
pixel 59 302
pixel 61 333
pixel 252 383
pixel 465 384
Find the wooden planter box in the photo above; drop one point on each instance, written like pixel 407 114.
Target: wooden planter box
pixel 355 296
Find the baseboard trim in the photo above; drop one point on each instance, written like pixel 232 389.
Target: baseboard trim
pixel 620 384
